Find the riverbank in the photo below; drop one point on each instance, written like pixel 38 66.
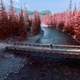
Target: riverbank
pixel 48 36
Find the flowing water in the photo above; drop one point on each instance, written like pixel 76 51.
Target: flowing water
pixel 20 67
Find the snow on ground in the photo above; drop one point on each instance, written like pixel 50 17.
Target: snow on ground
pixel 44 25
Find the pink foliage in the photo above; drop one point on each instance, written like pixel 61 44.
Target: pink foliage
pixel 69 20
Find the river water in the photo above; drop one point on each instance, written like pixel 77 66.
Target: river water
pixel 51 35
pixel 20 67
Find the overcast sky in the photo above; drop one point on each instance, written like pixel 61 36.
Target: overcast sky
pixel 52 5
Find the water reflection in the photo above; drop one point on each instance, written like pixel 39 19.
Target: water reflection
pixel 13 67
pixel 54 36
pixel 47 71
pixel 10 64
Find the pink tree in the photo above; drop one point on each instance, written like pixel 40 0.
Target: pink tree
pixel 36 22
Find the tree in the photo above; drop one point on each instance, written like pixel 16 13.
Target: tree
pixel 36 22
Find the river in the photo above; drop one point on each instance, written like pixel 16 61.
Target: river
pixel 51 35
pixel 19 67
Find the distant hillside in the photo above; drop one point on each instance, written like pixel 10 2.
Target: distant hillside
pixel 44 12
